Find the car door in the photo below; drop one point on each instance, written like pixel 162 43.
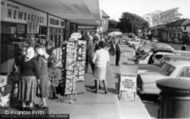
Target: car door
pixel 145 59
pixel 185 73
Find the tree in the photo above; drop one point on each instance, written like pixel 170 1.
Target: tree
pixel 132 23
pixel 112 24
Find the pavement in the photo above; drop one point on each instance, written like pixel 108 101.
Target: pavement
pixel 89 105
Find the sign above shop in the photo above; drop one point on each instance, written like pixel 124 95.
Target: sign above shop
pixel 87 27
pixel 56 22
pixel 12 12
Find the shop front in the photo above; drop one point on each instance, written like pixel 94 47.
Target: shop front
pixel 56 30
pixel 86 28
pixel 74 27
pixel 19 24
pixel 67 30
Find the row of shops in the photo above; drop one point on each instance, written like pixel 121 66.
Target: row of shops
pixel 24 23
pixel 20 23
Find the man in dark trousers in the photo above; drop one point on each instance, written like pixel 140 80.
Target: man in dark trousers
pixel 89 53
pixel 118 52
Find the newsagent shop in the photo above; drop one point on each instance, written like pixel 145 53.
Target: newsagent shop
pixel 18 24
pixel 24 24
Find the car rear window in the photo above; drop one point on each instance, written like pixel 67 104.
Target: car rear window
pixel 166 69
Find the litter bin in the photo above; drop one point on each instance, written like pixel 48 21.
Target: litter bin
pixel 175 98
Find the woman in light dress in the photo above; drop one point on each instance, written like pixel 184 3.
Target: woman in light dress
pixel 100 59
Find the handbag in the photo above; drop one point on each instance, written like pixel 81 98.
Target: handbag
pixel 38 90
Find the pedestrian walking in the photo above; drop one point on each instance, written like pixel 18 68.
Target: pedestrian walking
pixel 112 47
pixel 42 58
pixel 30 73
pixel 100 59
pixel 118 53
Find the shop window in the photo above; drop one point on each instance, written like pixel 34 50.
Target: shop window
pixel 43 30
pixel 179 36
pixel 11 36
pixel 20 29
pixel 185 27
pixel 51 30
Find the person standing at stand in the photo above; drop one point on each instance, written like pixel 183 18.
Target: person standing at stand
pixel 90 52
pixel 100 59
pixel 52 70
pixel 117 52
pixel 30 73
pixel 42 58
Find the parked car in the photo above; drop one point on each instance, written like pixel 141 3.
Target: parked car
pixel 162 46
pixel 153 57
pixel 147 67
pixel 146 82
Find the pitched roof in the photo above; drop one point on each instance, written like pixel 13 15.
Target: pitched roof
pixel 177 22
pixel 104 14
pixel 187 23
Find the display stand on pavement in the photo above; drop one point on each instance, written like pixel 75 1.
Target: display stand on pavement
pixel 127 83
pixel 80 66
pixel 73 60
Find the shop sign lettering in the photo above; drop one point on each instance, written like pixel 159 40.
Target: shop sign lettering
pixel 86 27
pixel 13 12
pixel 56 22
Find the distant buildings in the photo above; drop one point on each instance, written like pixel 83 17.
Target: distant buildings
pixel 159 18
pixel 177 31
pixel 186 26
pixel 168 26
pixel 105 18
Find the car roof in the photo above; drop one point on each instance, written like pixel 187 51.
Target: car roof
pixel 164 53
pixel 179 62
pixel 161 50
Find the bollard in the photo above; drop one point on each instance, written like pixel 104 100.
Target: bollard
pixel 174 98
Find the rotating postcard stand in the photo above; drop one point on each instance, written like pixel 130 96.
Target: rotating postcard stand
pixel 73 60
pixel 80 67
pixel 68 72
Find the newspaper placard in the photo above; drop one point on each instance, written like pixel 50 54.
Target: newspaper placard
pixel 127 87
pixel 127 83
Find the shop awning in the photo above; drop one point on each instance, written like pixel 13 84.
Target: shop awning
pixel 86 22
pixel 75 10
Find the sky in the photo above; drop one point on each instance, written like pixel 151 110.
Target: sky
pixel 115 8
